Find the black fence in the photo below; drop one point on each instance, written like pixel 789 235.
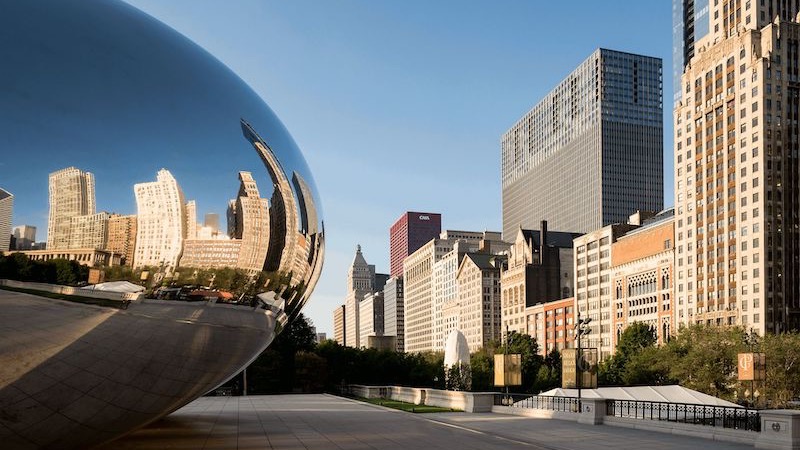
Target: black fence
pixel 550 403
pixel 713 416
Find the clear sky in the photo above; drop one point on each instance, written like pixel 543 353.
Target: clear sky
pixel 400 105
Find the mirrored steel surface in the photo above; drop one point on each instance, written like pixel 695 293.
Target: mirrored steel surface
pixel 110 119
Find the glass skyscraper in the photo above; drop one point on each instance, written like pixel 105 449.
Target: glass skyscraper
pixel 590 153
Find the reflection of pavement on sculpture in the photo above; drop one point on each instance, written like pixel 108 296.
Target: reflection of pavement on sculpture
pixel 68 370
pixel 284 422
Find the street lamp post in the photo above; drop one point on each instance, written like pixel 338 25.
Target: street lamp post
pixel 581 328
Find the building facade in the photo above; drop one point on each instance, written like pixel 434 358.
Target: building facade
pixel 419 294
pixel 89 231
pixel 25 236
pixel 339 329
pixel 591 151
pixel 593 287
pixel 370 312
pixel 410 232
pixel 211 253
pixel 71 194
pixel 122 236
pixel 478 281
pixel 360 282
pixel 690 22
pixel 539 270
pixel 252 225
pixel 736 173
pixel 552 324
pixel 394 311
pixel 160 222
pixel 6 212
pixel 606 268
pixel 642 279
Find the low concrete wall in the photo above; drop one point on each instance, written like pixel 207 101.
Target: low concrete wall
pixel 363 391
pixel 473 402
pixel 684 429
pixel 69 290
pixel 464 401
pixel 407 394
pixel 535 413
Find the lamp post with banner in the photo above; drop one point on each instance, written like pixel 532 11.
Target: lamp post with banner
pixel 752 367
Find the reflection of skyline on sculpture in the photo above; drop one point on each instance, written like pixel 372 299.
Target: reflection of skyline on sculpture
pixel 135 113
pixel 280 235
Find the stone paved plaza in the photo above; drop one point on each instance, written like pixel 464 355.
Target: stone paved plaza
pixel 319 422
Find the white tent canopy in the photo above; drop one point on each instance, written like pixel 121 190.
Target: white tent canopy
pixel 115 286
pixel 671 394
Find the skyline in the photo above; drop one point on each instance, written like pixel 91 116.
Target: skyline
pixel 359 85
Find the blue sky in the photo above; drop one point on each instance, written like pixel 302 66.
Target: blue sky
pixel 400 105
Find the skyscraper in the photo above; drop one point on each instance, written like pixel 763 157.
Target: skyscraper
pixel 410 232
pixel 590 152
pixel 737 219
pixel 393 311
pixel 360 282
pixel 25 236
pixel 71 195
pixel 161 220
pixel 690 23
pixel 6 207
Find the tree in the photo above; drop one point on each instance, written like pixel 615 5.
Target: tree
pixel 636 338
pixel 704 358
pixel 549 375
pixel 482 368
pixel 783 367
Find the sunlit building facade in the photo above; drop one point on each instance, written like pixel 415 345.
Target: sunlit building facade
pixel 591 151
pixel 160 222
pixel 737 217
pixel 122 236
pixel 72 194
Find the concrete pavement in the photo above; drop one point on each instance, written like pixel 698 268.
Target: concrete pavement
pixel 293 422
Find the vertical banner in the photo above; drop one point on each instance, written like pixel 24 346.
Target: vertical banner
pixel 508 370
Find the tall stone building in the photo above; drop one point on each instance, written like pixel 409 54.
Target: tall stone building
pixel 478 281
pixel 591 151
pixel 429 276
pixel 410 232
pixel 160 222
pixel 419 294
pixel 191 219
pixel 360 282
pixel 71 194
pixel 737 219
pixel 122 236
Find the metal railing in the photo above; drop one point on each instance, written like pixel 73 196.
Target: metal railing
pixel 714 416
pixel 550 403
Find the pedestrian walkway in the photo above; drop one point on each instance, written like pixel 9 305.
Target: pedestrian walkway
pixel 323 422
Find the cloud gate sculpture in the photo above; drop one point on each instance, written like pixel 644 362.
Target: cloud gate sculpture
pixel 129 148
